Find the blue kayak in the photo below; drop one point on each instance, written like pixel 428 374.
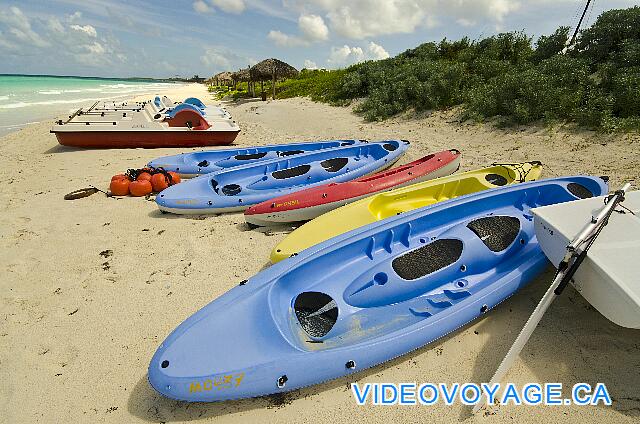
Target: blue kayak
pixel 199 163
pixel 235 189
pixel 364 297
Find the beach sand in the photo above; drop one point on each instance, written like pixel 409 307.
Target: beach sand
pixel 91 287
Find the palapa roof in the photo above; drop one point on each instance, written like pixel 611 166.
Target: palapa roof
pixel 241 75
pixel 224 76
pixel 265 70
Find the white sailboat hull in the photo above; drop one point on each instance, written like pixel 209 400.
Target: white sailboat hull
pixel 609 277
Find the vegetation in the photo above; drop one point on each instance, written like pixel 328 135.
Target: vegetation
pixel 237 92
pixel 507 76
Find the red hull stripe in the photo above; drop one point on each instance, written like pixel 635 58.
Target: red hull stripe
pixel 150 139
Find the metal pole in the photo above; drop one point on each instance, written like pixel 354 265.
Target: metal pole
pixel 565 269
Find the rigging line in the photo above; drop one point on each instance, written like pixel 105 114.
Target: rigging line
pixel 575 33
pixel 590 13
pixel 570 41
pixel 576 15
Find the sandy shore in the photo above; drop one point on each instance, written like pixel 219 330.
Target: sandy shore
pixel 91 287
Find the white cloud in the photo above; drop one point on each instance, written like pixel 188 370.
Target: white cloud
pixel 201 7
pixel 467 13
pixel 346 55
pixel 221 58
pixel 95 48
pixel 230 6
pixel 87 29
pixel 75 16
pixel 20 28
pixel 284 40
pixel 313 28
pixel 6 44
pixel 54 25
pixel 377 52
pixel 368 18
pixel 360 19
pixel 310 64
pixel 215 59
pixel 24 36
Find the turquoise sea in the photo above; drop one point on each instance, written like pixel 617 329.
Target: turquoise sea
pixel 26 99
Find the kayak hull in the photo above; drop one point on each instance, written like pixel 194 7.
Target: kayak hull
pixel 239 187
pixel 397 201
pixel 360 299
pixel 308 204
pixel 190 165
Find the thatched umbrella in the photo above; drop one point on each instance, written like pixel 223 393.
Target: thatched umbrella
pixel 223 77
pixel 242 75
pixel 272 69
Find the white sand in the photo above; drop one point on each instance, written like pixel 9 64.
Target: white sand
pixel 77 328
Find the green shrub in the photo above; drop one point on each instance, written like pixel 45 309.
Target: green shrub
pixel 596 84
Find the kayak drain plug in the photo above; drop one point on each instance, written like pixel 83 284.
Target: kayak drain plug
pixel 484 308
pixel 282 381
pixel 350 365
pixel 164 364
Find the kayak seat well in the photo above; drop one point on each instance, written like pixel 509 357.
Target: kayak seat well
pixel 335 164
pixel 316 312
pixel 390 147
pixel 579 190
pixel 427 259
pixel 296 171
pixel 496 179
pixel 251 156
pixel 496 232
pixel 231 189
pixel 290 153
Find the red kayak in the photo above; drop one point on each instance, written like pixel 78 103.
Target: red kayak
pixel 310 203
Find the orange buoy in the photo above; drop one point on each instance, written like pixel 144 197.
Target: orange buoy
pixel 118 177
pixel 140 188
pixel 159 182
pixel 144 176
pixel 119 187
pixel 175 178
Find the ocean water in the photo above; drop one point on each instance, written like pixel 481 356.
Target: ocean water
pixel 27 99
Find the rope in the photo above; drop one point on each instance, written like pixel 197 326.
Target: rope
pixel 133 174
pixel 84 192
pixel 586 23
pixel 523 173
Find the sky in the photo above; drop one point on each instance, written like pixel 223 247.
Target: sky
pixel 164 38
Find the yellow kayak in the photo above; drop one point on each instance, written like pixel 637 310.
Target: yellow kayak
pixel 394 202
